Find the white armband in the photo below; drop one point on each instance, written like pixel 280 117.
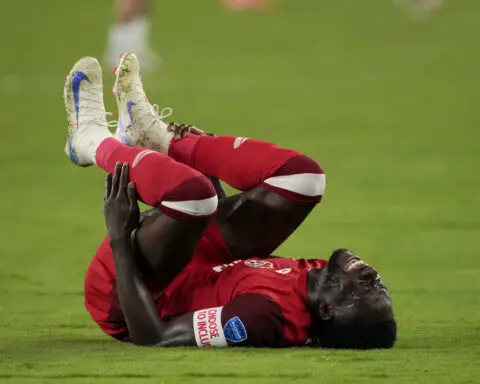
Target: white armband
pixel 208 329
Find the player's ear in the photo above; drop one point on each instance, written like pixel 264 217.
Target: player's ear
pixel 325 311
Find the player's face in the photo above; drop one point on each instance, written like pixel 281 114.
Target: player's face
pixel 348 280
pixel 351 307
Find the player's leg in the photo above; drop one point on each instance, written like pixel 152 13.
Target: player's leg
pixel 139 124
pixel 282 187
pixel 131 32
pixel 283 184
pixel 186 198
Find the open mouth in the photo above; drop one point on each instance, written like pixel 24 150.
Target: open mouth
pixel 353 264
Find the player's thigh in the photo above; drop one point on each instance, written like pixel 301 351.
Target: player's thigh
pixel 165 246
pixel 257 222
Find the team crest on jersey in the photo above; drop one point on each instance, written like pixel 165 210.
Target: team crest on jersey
pixel 234 330
pixel 264 264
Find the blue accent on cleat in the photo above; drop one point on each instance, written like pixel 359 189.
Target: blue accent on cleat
pixel 130 104
pixel 71 153
pixel 77 79
pixel 122 133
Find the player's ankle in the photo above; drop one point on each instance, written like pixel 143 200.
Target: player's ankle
pixel 102 147
pixel 182 149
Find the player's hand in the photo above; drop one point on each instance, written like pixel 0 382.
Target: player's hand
pixel 182 130
pixel 120 205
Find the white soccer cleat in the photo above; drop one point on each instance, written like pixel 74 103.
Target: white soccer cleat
pixel 138 121
pixel 87 124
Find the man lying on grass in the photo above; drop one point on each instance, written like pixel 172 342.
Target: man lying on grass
pixel 198 268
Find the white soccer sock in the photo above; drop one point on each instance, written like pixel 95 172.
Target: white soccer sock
pixel 131 36
pixel 88 144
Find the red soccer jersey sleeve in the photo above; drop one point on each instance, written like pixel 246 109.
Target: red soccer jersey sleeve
pixel 261 318
pixel 251 320
pixel 265 294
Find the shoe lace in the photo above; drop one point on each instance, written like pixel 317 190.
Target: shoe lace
pixel 160 114
pixel 111 123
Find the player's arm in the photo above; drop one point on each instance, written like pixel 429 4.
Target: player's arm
pixel 249 320
pixel 122 218
pixel 144 325
pixel 248 314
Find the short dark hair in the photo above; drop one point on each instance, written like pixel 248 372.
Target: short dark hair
pixel 357 335
pixel 363 320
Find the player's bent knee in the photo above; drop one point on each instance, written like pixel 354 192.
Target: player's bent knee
pixel 193 198
pixel 301 179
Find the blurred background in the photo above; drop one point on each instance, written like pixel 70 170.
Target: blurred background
pixel 384 94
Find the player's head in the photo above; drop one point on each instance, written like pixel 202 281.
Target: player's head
pixel 351 308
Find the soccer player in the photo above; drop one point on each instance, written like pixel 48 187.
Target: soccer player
pixel 131 33
pixel 198 268
pixel 420 9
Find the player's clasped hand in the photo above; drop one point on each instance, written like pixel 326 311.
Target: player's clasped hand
pixel 120 205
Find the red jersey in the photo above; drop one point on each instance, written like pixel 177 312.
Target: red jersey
pixel 255 302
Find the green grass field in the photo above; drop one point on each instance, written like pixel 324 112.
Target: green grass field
pixel 389 107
